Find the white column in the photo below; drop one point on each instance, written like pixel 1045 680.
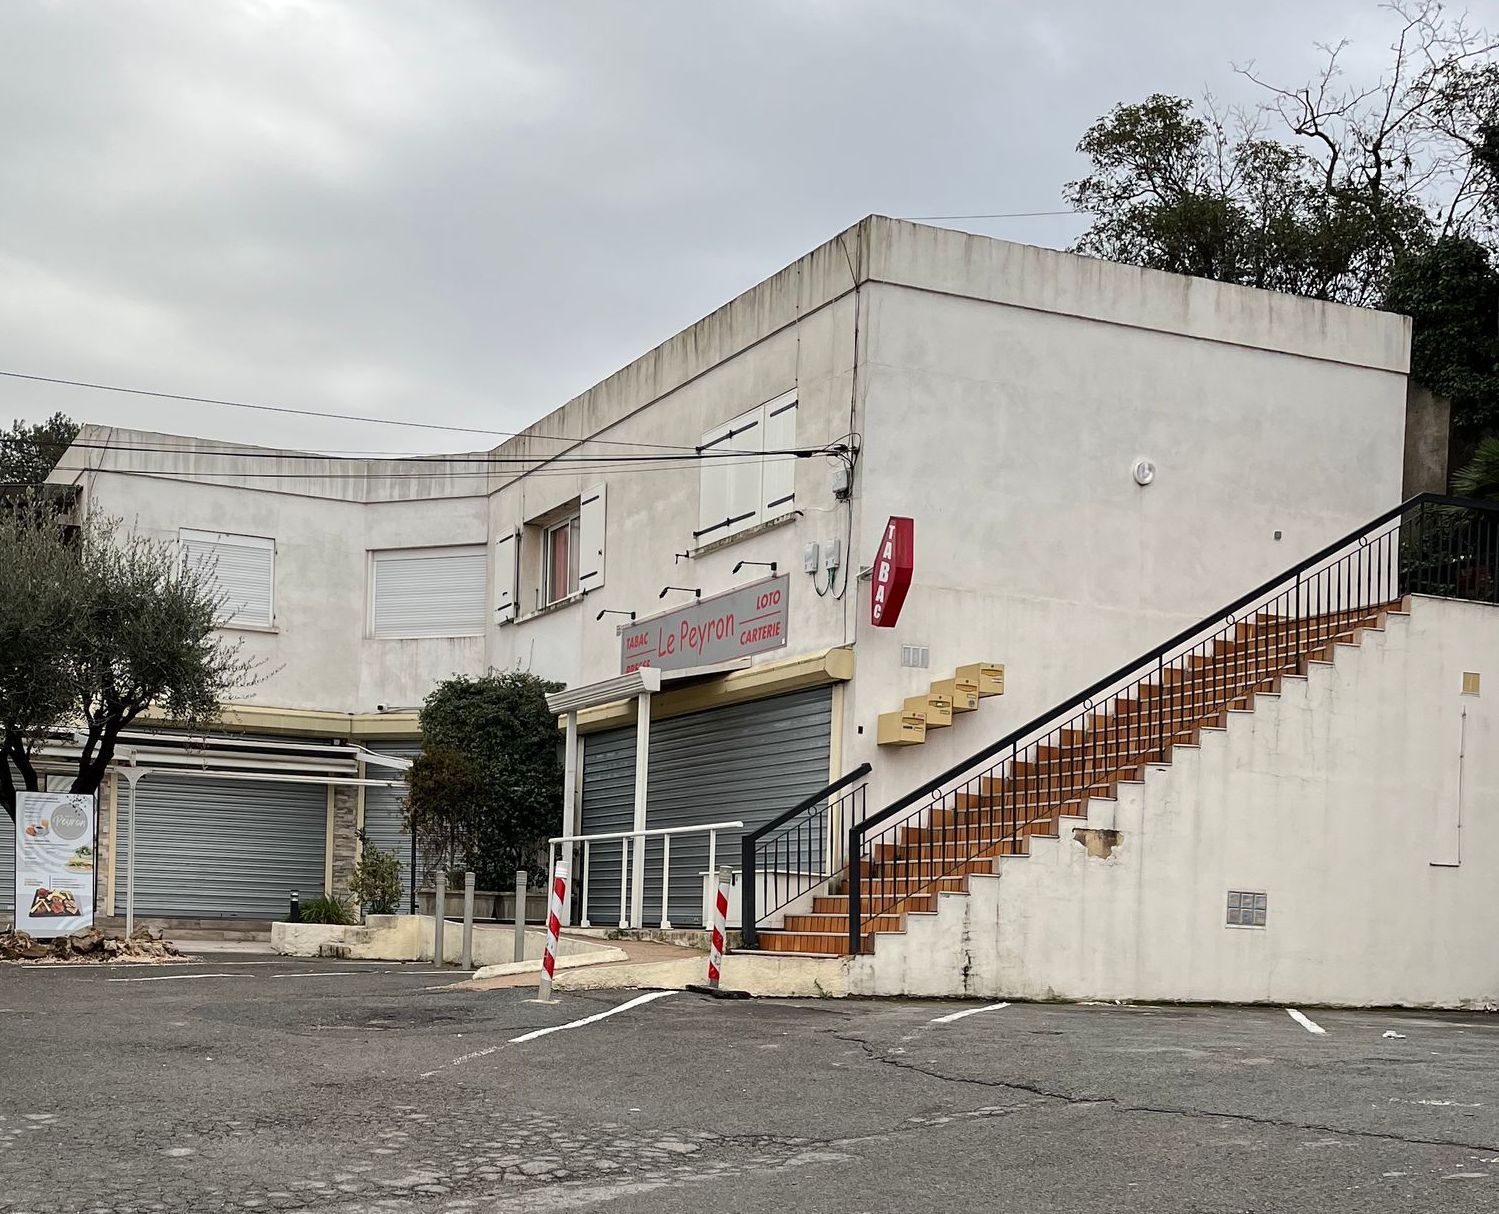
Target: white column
pixel 570 815
pixel 642 769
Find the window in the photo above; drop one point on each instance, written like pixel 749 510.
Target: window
pixel 740 485
pixel 1247 908
pixel 559 559
pixel 242 569
pixel 555 556
pixel 428 592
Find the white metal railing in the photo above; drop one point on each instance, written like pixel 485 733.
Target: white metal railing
pixel 624 838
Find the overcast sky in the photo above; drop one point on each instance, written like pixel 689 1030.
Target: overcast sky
pixel 467 211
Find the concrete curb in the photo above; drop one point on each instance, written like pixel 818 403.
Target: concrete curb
pixel 605 956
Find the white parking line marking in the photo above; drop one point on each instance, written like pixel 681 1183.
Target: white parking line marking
pixel 176 978
pixel 1310 1026
pixel 972 1011
pixel 577 1024
pixel 461 1060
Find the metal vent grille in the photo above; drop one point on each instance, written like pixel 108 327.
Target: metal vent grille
pixel 918 657
pixel 1247 909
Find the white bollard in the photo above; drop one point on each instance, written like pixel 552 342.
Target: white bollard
pixel 720 922
pixel 555 907
pixel 439 914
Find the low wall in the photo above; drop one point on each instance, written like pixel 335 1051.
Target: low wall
pixel 410 938
pixel 494 906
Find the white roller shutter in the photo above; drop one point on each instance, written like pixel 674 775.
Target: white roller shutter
pixel 591 539
pixel 222 848
pixel 243 570
pixel 428 592
pixel 506 576
pixel 778 477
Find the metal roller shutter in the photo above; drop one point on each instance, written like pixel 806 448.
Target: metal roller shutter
pixel 7 867
pixel 608 805
pixel 222 848
pixel 385 816
pixel 748 762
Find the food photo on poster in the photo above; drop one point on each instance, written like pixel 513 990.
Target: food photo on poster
pixel 56 837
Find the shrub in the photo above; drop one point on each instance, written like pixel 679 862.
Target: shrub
pixel 377 881
pixel 326 909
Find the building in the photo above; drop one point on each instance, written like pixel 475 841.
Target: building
pixel 1093 457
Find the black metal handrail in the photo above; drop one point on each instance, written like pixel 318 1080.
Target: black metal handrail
pixel 793 838
pixel 1133 715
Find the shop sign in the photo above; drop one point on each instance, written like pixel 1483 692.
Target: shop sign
pixel 56 835
pixel 891 577
pixel 736 624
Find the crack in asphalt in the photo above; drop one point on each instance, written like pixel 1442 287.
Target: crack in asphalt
pixel 871 1051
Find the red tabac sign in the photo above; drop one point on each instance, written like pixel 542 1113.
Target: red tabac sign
pixel 892 572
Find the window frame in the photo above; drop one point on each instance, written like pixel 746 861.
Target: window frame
pixel 572 525
pixel 375 556
pixel 233 539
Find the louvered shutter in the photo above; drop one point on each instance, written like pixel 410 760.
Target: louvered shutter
pixel 429 592
pixel 591 539
pixel 243 571
pixel 778 476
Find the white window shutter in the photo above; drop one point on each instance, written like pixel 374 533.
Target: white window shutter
pixel 729 496
pixel 778 477
pixel 591 539
pixel 506 576
pixel 242 568
pixel 429 592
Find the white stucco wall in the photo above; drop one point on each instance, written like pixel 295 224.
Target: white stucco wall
pixel 1339 799
pixel 1008 392
pixel 318 655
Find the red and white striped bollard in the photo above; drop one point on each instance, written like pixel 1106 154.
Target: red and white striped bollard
pixel 720 922
pixel 555 906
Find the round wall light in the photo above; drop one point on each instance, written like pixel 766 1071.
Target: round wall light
pixel 1143 472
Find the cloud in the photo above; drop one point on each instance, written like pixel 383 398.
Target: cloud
pixel 467 212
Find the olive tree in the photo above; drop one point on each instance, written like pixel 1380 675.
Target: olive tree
pixel 98 625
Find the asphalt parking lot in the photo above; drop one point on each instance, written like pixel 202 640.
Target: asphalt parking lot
pixel 337 1087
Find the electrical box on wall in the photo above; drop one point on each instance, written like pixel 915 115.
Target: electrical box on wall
pixel 811 560
pixel 832 554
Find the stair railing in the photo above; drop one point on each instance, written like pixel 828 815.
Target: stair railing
pixel 791 855
pixel 963 819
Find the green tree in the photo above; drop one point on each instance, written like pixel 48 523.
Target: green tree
pixel 29 452
pixel 1451 292
pixel 1208 195
pixel 96 627
pixel 486 791
pixel 1479 478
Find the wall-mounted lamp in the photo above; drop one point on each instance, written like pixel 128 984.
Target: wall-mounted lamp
pixel 612 611
pixel 695 593
pixel 771 565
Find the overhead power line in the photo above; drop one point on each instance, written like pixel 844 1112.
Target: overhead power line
pixel 347 417
pixel 490 462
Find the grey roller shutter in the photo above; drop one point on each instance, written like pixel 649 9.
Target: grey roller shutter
pixel 608 805
pixel 385 817
pixel 748 762
pixel 433 592
pixel 7 867
pixel 222 848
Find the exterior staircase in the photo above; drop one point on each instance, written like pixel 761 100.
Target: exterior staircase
pixel 965 828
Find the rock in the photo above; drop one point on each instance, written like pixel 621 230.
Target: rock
pixel 90 940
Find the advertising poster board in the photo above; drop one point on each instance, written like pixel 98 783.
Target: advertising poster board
pixel 56 837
